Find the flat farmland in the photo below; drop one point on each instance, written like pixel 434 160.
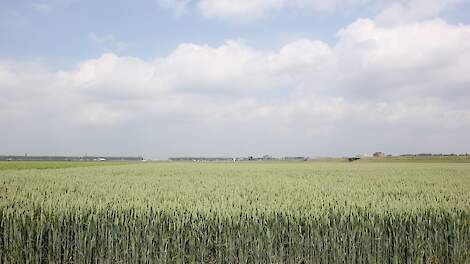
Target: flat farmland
pixel 244 212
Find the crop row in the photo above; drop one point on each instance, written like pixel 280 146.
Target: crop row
pixel 151 236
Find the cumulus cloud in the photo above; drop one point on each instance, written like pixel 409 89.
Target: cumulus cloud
pixel 414 58
pixel 242 10
pixel 396 84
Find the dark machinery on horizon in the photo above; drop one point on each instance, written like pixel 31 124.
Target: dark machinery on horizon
pixel 351 159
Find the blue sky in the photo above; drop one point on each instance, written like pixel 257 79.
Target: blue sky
pixel 59 31
pixel 145 26
pixel 304 77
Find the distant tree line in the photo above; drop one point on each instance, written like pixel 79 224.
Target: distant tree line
pixel 68 158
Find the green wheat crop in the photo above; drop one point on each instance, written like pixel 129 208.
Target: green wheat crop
pixel 253 212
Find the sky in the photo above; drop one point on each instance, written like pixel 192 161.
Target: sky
pixel 166 78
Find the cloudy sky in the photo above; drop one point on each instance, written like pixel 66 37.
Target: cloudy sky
pixel 165 78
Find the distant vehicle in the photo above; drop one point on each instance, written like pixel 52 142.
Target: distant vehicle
pixel 353 159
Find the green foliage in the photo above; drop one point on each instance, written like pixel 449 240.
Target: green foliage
pixel 254 212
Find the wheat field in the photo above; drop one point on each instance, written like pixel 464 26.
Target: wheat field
pixel 246 212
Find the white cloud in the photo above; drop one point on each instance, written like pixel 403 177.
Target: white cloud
pixel 389 12
pixel 374 80
pixel 231 68
pixel 180 7
pixel 412 10
pixel 329 6
pixel 413 58
pixel 239 10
